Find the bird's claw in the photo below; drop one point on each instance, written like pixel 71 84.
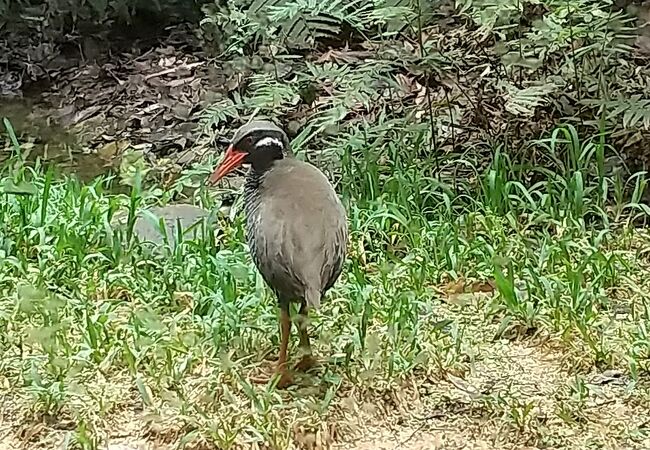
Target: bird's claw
pixel 285 378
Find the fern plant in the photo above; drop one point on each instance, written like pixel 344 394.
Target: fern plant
pixel 632 112
pixel 302 24
pixel 522 102
pixel 579 48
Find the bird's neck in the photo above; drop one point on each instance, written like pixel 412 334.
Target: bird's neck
pixel 266 158
pixel 263 163
pixel 253 180
pixel 255 176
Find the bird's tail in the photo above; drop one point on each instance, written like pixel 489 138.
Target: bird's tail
pixel 312 298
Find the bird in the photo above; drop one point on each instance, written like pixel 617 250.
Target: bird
pixel 296 228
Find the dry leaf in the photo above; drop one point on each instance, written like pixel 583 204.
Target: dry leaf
pixel 111 150
pixel 454 287
pixel 488 286
pixel 463 385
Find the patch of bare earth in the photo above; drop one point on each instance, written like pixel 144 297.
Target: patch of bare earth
pixel 514 398
pixel 510 394
pixel 515 395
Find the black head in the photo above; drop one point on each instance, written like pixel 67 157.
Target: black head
pixel 258 143
pixel 261 139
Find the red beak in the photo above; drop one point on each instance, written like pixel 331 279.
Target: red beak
pixel 231 161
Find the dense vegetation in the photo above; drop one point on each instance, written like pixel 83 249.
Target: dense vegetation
pixel 489 154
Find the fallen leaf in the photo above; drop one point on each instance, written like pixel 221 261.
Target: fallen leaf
pixel 462 299
pixel 454 287
pixel 463 385
pixel 608 376
pixel 488 286
pixel 85 114
pixel 344 56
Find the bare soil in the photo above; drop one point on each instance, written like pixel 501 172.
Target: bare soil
pixel 513 397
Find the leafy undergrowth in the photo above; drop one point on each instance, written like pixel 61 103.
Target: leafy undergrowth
pixel 506 310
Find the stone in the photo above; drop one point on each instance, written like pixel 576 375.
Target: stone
pixel 146 227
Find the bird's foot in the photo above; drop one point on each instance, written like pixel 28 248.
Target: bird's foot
pixel 284 381
pixel 307 362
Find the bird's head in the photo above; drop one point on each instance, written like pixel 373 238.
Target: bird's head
pixel 258 143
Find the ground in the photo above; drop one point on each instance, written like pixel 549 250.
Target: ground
pixel 514 394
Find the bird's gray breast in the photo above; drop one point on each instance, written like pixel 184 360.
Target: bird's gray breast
pixel 252 209
pixel 265 248
pixel 296 231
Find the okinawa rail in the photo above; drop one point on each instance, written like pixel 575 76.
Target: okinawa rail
pixel 296 227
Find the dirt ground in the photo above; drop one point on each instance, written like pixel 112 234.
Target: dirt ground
pixel 510 399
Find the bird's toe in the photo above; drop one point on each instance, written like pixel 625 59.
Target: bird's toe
pixel 285 380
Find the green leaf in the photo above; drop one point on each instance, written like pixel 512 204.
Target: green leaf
pixel 145 393
pixel 22 188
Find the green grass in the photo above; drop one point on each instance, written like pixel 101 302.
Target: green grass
pixel 103 336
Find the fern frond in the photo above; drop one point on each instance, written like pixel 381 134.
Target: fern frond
pixel 522 102
pixel 633 111
pixel 304 22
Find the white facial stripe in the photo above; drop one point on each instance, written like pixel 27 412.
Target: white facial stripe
pixel 268 142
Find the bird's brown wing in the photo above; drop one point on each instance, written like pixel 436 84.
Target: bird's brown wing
pixel 301 250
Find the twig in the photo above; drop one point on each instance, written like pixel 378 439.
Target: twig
pixel 144 55
pixel 115 77
pixel 451 118
pixel 573 55
pixel 174 69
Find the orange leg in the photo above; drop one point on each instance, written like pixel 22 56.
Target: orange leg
pixel 285 331
pixel 307 361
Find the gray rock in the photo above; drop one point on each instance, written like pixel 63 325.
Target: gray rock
pixel 147 227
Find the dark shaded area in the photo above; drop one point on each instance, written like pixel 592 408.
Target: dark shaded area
pixel 141 77
pixel 36 37
pixel 70 84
